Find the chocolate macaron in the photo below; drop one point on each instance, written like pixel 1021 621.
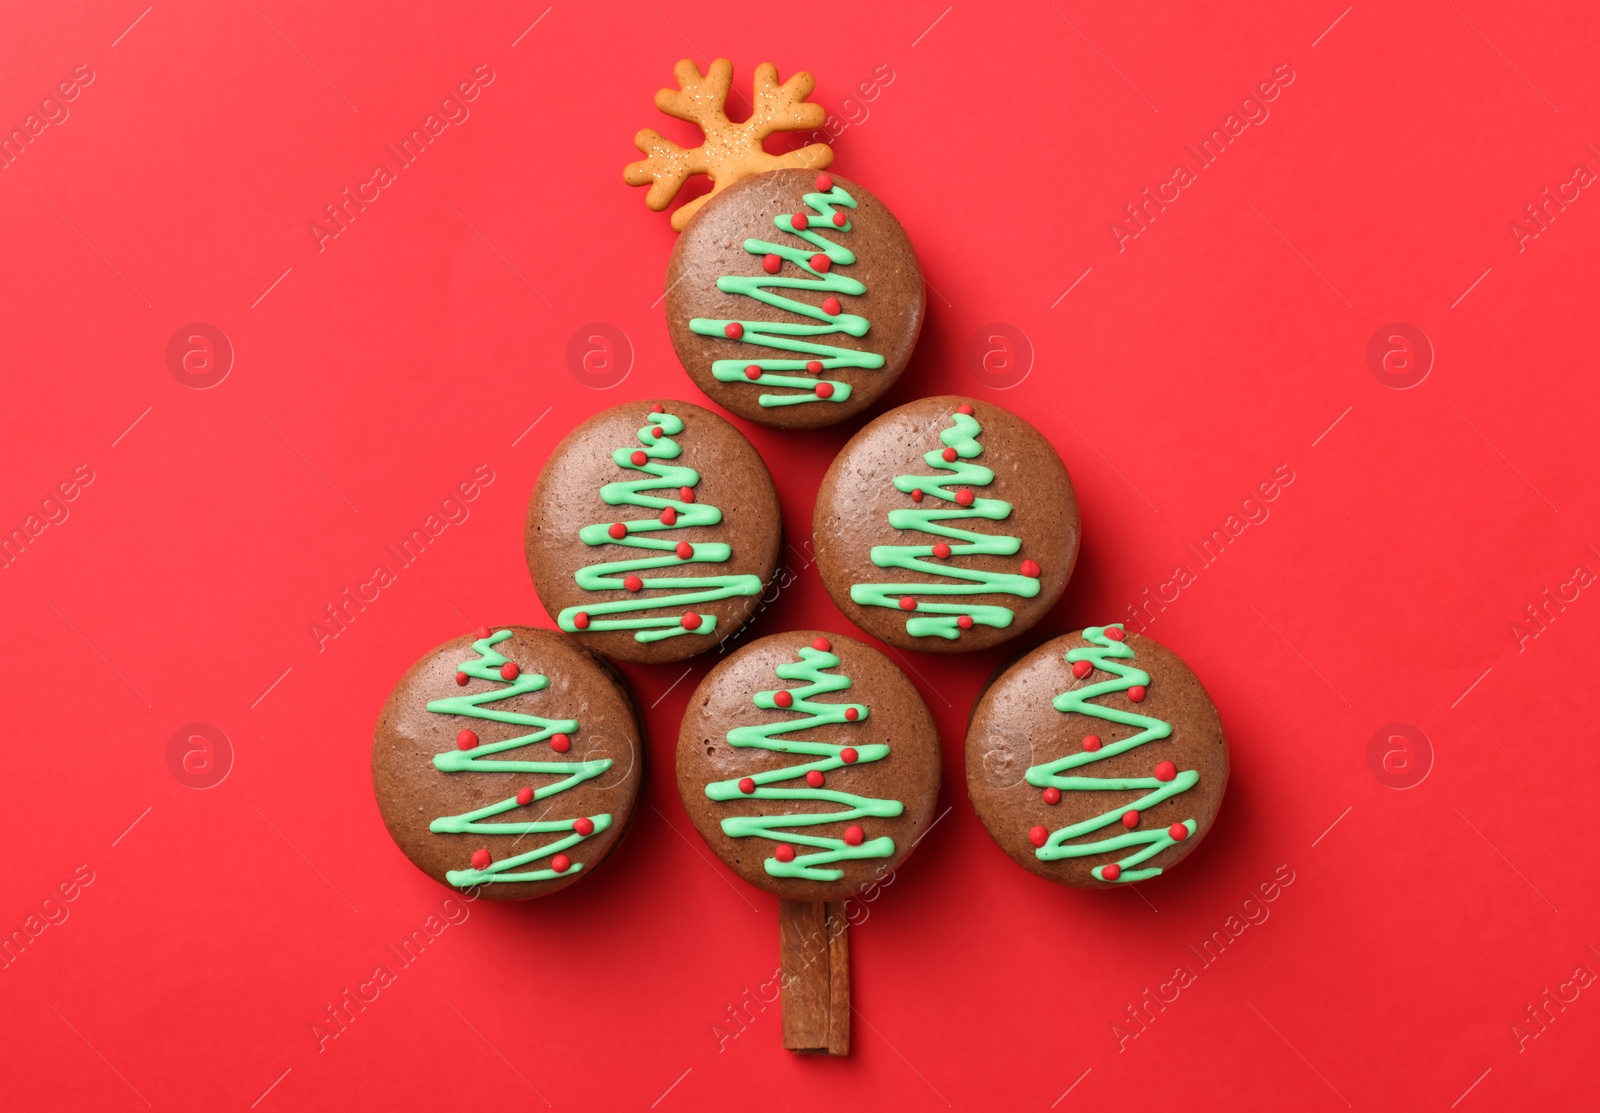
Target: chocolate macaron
pixel 946 525
pixel 508 762
pixel 1097 759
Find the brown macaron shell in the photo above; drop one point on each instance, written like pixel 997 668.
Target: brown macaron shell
pixel 1015 726
pixel 566 498
pixel 858 492
pixel 713 246
pixel 412 792
pixel 896 716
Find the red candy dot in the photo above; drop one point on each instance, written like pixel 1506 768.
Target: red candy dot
pixel 964 497
pixel 800 221
pixel 820 262
pixel 1052 795
pixel 657 408
pixel 949 455
pixel 848 755
pixel 1091 742
pixel 1136 693
pixel 1130 819
pixel 814 778
pixel 690 621
pixel 916 496
pixel 747 786
pixel 783 699
pixel 852 714
pixel 617 530
pixel 1031 569
pixel 854 835
pixel 466 740
pixel 1115 633
pixel 824 183
pixel 561 863
pixel 965 622
pixel 824 390
pixel 509 670
pixel 733 330
pixel 1038 836
pixel 560 743
pixel 669 516
pixel 583 825
pixel 480 859
pixel 1111 872
pixel 685 494
pixel 822 644
pixel 581 620
pixel 1165 770
pixel 685 550
pixel 771 264
pixel 839 220
pixel 633 583
pixel 1081 669
pixel 461 679
pixel 483 631
pixel 524 796
pixel 907 603
pixel 752 372
pixel 638 457
pixel 814 366
pixel 941 550
pixel 784 853
pixel 964 408
pixel 831 306
pixel 1178 832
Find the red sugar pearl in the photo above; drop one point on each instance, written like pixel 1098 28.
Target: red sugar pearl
pixel 617 530
pixel 822 644
pixel 669 516
pixel 653 432
pixel 964 497
pixel 820 262
pixel 685 550
pixel 771 264
pixel 1038 836
pixel 824 183
pixel 848 755
pixel 1091 742
pixel 752 372
pixel 509 670
pixel 1031 569
pixel 783 698
pixel 1111 872
pixel 964 408
pixel 854 835
pixel 690 621
pixel 839 220
pixel 965 622
pixel 814 366
pixel 1165 771
pixel 1178 832
pixel 949 455
pixel 831 306
pixel 633 583
pixel 685 494
pixel 639 458
pixel 907 603
pixel 583 825
pixel 461 679
pixel 852 714
pixel 1130 819
pixel 784 853
pixel 466 740
pixel 1081 669
pixel 1115 633
pixel 747 786
pixel 824 390
pixel 657 408
pixel 560 743
pixel 581 620
pixel 800 221
pixel 733 330
pixel 483 631
pixel 525 796
pixel 1052 795
pixel 941 550
pixel 814 778
pixel 1136 693
pixel 561 863
pixel 480 859
pixel 916 496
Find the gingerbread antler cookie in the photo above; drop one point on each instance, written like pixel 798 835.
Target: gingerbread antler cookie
pixel 730 151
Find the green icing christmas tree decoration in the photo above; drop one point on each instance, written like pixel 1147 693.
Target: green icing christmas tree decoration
pixel 942 502
pixel 811 779
pixel 469 755
pixel 677 509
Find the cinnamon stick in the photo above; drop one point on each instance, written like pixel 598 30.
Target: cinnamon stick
pixel 814 946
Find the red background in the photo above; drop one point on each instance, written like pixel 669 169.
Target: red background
pixel 1230 337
